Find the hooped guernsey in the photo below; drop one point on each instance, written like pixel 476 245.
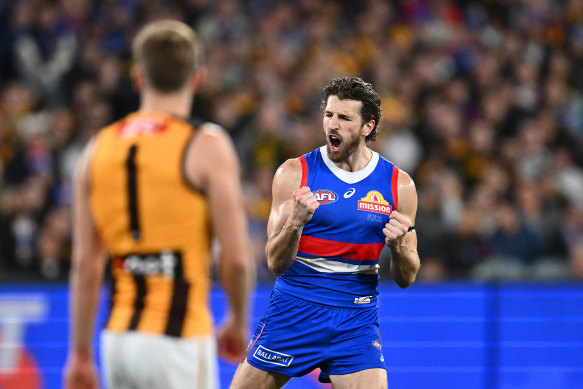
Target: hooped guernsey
pixel 154 224
pixel 338 255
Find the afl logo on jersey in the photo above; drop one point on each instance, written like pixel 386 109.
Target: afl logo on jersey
pixel 374 202
pixel 325 196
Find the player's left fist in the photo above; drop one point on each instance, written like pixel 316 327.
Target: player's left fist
pixel 396 228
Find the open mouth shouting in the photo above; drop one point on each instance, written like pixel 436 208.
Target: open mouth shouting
pixel 335 142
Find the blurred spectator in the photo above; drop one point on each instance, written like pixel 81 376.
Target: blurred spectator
pixel 543 219
pixel 54 243
pixel 481 102
pixel 568 177
pixel 44 48
pixel 434 240
pixel 512 237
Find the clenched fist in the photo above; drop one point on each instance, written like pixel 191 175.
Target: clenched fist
pixel 305 204
pixel 396 228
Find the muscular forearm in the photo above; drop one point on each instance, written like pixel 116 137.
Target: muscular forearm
pixel 84 298
pixel 281 249
pixel 238 279
pixel 404 265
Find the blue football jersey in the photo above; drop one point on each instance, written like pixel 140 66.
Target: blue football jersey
pixel 338 255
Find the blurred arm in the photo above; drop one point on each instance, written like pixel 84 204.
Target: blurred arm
pixel 89 259
pixel 88 263
pixel 212 165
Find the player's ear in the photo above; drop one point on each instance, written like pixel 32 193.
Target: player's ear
pixel 197 79
pixel 137 76
pixel 368 127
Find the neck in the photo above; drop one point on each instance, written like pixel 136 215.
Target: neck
pixel 357 160
pixel 175 103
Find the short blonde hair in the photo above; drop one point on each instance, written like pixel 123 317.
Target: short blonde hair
pixel 168 51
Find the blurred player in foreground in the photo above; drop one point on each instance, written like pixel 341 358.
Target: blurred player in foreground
pixel 334 210
pixel 150 191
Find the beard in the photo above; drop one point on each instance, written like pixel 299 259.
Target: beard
pixel 347 147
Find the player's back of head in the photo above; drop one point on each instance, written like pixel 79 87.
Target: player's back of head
pixel 168 51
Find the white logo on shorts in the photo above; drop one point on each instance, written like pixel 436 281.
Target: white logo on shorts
pixel 362 300
pixel 274 357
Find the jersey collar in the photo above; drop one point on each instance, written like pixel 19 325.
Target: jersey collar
pixel 346 176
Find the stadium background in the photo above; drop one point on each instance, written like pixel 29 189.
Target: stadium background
pixel 482 105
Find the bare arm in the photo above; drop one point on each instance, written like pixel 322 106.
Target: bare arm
pixel 402 244
pixel 212 165
pixel 88 263
pixel 291 209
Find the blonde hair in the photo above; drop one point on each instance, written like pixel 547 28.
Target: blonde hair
pixel 169 52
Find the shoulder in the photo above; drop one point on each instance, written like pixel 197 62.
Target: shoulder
pixel 407 194
pixel 210 150
pixel 83 167
pixel 212 129
pixel 212 142
pixel 288 177
pixel 305 162
pixel 405 183
pixel 213 133
pixel 290 169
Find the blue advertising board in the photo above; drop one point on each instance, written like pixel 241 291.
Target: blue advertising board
pixel 462 335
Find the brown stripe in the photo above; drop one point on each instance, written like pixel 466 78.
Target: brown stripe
pixel 112 292
pixel 132 187
pixel 139 302
pixel 179 302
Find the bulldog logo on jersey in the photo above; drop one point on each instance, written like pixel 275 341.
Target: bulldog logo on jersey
pixel 325 196
pixel 374 202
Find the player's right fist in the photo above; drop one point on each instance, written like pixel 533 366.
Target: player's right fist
pixel 305 204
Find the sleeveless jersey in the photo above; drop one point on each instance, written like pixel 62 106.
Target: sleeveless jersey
pixel 338 255
pixel 155 226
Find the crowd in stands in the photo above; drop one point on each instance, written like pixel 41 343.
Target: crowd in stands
pixel 482 105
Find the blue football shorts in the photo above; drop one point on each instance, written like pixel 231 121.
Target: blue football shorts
pixel 297 336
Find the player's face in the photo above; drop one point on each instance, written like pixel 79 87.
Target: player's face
pixel 343 127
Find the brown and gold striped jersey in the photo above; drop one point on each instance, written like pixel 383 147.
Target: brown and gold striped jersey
pixel 155 225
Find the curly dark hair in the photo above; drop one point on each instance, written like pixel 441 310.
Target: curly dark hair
pixel 354 88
